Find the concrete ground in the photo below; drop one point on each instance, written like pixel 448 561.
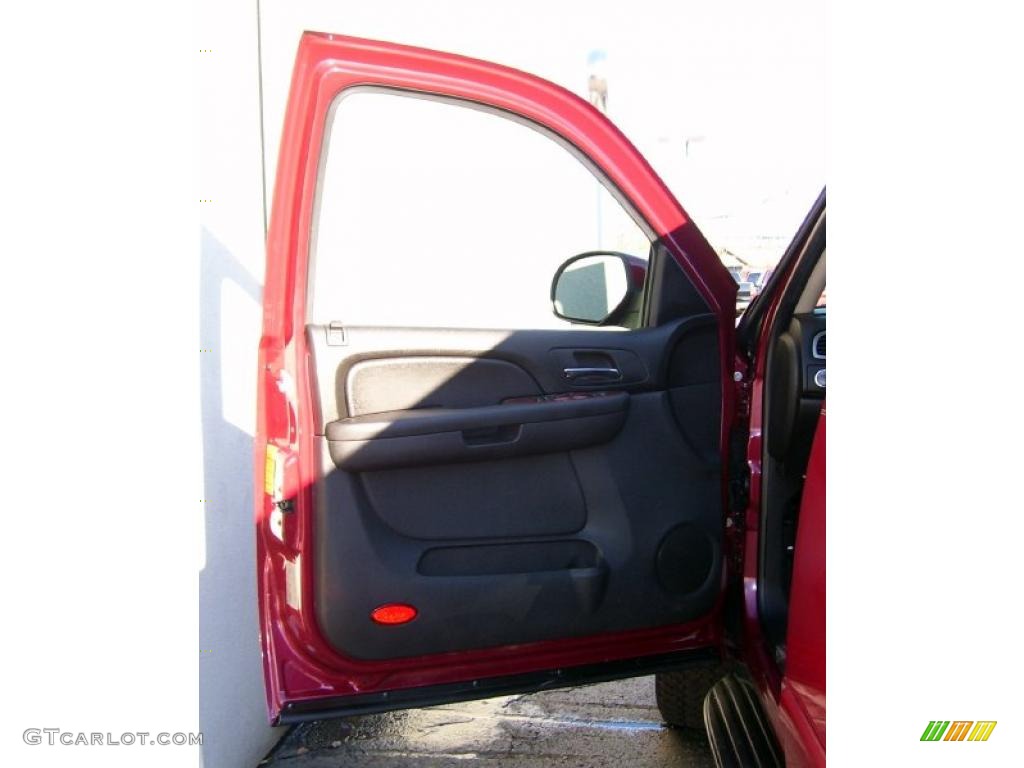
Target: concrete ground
pixel 611 724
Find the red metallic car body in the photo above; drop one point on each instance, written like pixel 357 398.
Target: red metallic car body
pixel 299 664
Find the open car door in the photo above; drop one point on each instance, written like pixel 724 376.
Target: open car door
pixel 462 488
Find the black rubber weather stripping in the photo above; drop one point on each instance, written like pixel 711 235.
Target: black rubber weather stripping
pixel 427 696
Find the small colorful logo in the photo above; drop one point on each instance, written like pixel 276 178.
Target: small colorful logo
pixel 958 730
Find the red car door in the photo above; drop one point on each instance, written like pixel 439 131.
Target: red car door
pixel 451 504
pixel 802 693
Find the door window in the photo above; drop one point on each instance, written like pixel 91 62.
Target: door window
pixel 436 214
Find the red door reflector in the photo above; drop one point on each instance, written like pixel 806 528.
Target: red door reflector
pixel 393 613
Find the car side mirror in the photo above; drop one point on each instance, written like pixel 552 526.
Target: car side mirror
pixel 598 287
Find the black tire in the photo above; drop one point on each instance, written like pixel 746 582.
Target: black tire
pixel 680 693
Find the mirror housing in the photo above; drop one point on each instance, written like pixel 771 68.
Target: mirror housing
pixel 598 287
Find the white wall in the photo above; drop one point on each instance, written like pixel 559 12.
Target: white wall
pixel 232 709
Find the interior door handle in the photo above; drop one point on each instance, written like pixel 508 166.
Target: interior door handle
pixel 610 374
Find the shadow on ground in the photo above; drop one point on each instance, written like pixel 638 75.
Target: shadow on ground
pixel 595 726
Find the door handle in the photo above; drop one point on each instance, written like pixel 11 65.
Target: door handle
pixel 610 374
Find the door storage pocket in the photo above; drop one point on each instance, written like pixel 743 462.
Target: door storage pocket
pixel 526 496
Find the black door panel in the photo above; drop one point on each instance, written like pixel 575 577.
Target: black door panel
pixel 428 436
pixel 506 501
pixel 439 367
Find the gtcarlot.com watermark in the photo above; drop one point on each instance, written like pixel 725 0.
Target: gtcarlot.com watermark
pixel 54 736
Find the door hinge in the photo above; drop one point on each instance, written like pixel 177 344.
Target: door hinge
pixel 739 475
pixel 739 495
pixel 739 498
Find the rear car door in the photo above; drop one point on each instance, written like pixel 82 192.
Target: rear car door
pixel 460 492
